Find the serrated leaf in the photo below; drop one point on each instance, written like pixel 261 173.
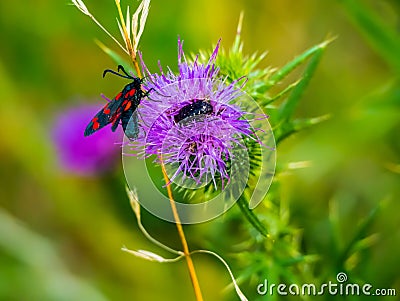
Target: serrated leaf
pixel 280 94
pixel 287 108
pixel 251 217
pixel 280 74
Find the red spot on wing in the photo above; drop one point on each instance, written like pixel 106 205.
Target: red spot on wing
pixel 96 124
pixel 128 105
pixel 118 96
pixel 106 111
pixel 131 93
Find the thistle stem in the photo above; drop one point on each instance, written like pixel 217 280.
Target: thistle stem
pixel 192 271
pixel 136 65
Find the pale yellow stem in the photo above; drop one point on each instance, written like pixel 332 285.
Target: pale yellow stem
pixel 128 42
pixel 192 271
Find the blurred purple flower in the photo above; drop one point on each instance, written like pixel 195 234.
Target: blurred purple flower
pixel 190 119
pixel 81 155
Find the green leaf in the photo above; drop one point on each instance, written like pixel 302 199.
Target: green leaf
pixel 251 217
pixel 284 92
pixel 114 56
pixel 357 241
pixel 291 127
pixel 289 67
pixel 287 108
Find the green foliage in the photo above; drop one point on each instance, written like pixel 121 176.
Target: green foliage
pixel 118 60
pixel 333 205
pixel 234 64
pixel 44 271
pixel 278 254
pixel 382 37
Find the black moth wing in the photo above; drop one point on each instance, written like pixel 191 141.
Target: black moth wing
pixel 121 108
pixel 130 125
pixel 111 112
pixel 133 94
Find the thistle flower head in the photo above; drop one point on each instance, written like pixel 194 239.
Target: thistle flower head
pixel 191 119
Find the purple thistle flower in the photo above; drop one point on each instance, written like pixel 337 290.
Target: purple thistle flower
pixel 81 155
pixel 192 121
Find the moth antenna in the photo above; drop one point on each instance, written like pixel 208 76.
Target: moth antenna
pixel 127 76
pixel 121 68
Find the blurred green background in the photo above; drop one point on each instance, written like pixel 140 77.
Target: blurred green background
pixel 61 234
